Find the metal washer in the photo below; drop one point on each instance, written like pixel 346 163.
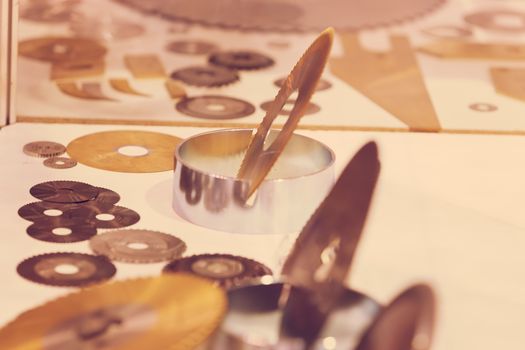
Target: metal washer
pixel 483 107
pixel 60 162
pixel 215 107
pixel 64 191
pixel 44 149
pixel 36 211
pixel 205 76
pixel 90 269
pixel 122 217
pixel 80 230
pixel 241 59
pixel 225 269
pixel 118 246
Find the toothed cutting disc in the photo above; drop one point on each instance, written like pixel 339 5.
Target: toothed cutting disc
pixel 60 162
pixel 46 210
pixel 215 107
pixel 57 49
pixel 58 230
pixel 101 150
pixel 293 15
pixel 171 312
pixel 64 191
pixel 205 76
pixel 240 59
pixel 66 269
pixel 107 216
pixel 44 149
pixel 225 269
pixel 137 246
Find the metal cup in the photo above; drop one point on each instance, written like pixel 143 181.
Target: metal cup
pixel 254 314
pixel 206 191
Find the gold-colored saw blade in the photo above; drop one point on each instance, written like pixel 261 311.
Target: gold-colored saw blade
pixel 101 150
pixel 260 158
pixel 168 312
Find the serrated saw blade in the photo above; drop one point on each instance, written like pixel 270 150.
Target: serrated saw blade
pixel 168 312
pixel 303 78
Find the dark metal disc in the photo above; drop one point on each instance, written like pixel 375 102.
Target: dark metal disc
pixel 64 191
pixel 105 197
pixel 225 269
pixel 46 210
pixel 205 76
pixel 107 217
pixel 215 107
pixel 80 269
pixel 51 230
pixel 241 59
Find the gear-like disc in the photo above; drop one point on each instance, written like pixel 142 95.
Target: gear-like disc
pixel 44 149
pixel 215 107
pixel 205 76
pixel 60 162
pixel 225 269
pixel 138 246
pixel 64 191
pixel 66 269
pixel 62 231
pixel 241 60
pixel 107 216
pixel 41 211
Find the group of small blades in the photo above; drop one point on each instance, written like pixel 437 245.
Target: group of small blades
pixel 69 212
pixel 51 151
pixel 223 66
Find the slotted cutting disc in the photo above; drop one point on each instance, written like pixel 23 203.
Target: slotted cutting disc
pixel 107 150
pixel 167 312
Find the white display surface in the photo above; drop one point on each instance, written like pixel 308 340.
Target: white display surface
pixel 452 84
pixel 448 210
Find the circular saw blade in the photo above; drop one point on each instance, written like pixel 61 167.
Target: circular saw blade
pixel 292 15
pixel 168 312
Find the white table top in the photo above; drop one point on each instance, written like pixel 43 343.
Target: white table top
pixel 448 211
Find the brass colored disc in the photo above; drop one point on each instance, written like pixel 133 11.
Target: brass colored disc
pixel 167 312
pixel 101 151
pixel 44 149
pixel 57 49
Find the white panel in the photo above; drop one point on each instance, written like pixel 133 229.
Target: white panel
pixel 8 19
